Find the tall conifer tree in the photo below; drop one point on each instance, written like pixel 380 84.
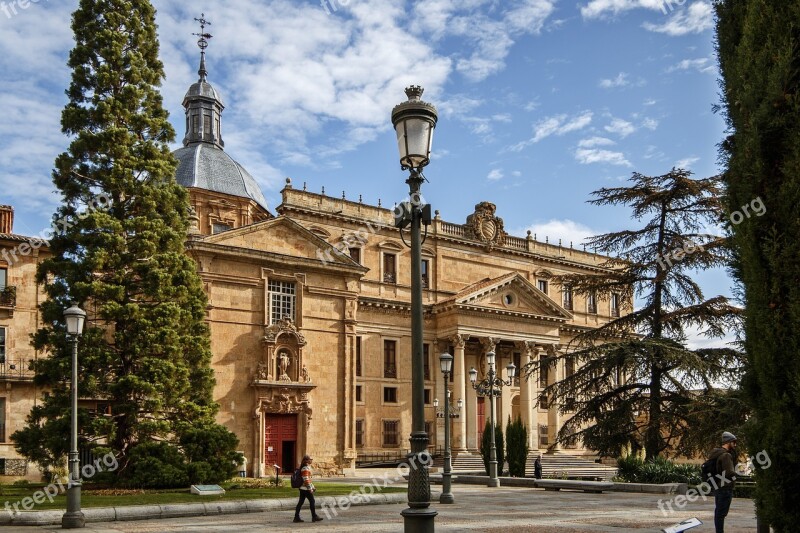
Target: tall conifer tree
pixel 145 350
pixel 758 44
pixel 635 382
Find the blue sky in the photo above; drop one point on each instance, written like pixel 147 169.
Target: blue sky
pixel 540 101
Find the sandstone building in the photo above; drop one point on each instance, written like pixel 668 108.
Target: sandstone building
pixel 309 312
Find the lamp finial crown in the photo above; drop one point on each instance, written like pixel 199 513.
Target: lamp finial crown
pixel 414 92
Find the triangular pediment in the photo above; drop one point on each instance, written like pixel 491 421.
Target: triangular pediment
pixel 283 236
pixel 509 294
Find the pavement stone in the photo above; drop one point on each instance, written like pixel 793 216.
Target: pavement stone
pixel 492 510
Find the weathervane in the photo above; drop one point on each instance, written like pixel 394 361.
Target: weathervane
pixel 202 42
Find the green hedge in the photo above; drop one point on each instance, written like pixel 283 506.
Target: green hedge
pixel 632 469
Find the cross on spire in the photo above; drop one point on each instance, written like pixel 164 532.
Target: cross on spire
pixel 202 43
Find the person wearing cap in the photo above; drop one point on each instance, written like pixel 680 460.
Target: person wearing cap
pixel 725 480
pixel 306 491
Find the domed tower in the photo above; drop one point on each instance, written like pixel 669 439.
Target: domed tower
pixel 224 195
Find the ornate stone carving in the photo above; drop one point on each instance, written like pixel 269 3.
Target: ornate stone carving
pixel 458 341
pixel 262 372
pixel 304 375
pixel 281 327
pixel 286 400
pixel 283 362
pixel 485 227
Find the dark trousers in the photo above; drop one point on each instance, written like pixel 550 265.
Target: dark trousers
pixel 722 498
pixel 306 494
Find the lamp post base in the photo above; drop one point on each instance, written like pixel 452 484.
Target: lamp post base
pixel 418 520
pixel 493 482
pixel 447 497
pixel 73 520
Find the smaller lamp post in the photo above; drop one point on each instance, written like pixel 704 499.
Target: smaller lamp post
pixel 73 518
pixel 446 362
pixel 492 386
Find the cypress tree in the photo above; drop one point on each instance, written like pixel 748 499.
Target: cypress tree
pixel 145 350
pixel 516 447
pixel 758 46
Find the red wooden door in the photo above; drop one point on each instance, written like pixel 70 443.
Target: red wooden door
pixel 481 419
pixel 280 442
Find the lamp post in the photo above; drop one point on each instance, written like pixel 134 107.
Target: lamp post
pixel 414 121
pixel 73 518
pixel 492 386
pixel 446 362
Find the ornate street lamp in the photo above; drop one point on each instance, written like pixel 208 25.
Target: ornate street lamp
pixel 492 386
pixel 414 121
pixel 73 518
pixel 446 362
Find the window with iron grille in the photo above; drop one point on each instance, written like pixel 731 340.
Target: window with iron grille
pixel 591 303
pixel 391 432
pixel 614 304
pixel 2 420
pixel 544 437
pixel 542 283
pixel 3 278
pixel 355 255
pixel 360 432
pixel 390 394
pixel 2 345
pixel 567 294
pixel 389 270
pixel 425 268
pixel 389 359
pixel 282 300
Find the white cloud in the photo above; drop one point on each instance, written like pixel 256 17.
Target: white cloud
pixel 686 162
pixel 587 156
pixel 697 18
pixel 555 125
pixel 704 64
pixel 495 174
pixel 567 230
pixel 620 81
pixel 649 102
pixel 650 123
pixel 516 173
pixel 623 128
pixel 595 141
pixel 601 8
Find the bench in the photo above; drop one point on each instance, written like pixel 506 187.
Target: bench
pixel 596 487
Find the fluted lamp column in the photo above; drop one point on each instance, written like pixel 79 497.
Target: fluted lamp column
pixel 73 518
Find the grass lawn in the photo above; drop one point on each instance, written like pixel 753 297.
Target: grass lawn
pixel 116 498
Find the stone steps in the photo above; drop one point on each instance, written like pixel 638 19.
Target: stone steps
pixel 554 465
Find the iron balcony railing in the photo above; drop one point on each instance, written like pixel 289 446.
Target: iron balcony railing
pixel 11 368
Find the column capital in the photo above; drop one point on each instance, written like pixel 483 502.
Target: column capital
pixel 530 348
pixel 458 340
pixel 489 343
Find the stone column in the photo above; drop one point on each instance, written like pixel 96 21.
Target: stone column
pixel 505 399
pixel 553 414
pixel 258 445
pixel 527 396
pixel 459 441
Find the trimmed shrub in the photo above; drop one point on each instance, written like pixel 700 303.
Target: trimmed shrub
pixel 516 447
pixel 486 443
pixel 209 451
pixel 156 465
pixel 633 469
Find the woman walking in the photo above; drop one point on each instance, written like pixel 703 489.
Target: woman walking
pixel 306 491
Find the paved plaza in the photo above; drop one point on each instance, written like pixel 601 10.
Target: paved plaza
pixel 476 509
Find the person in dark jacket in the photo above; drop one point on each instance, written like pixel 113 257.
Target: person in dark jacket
pixel 306 491
pixel 725 480
pixel 537 467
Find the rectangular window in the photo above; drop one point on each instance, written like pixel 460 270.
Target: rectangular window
pixel 544 439
pixel 542 283
pixel 430 432
pixel 3 278
pixel 2 420
pixel 195 123
pixel 218 227
pixel 569 405
pixel 543 402
pixel 591 303
pixel 282 300
pixel 359 432
pixel 426 394
pixel 390 359
pixel 359 370
pixel 426 361
pixel 390 394
pixel 359 397
pixel 355 254
pixel 389 270
pixel 567 294
pixel 391 432
pixel 614 304
pixel 517 363
pixel 2 346
pixel 425 269
pixel 569 366
pixel 206 125
pixel 544 370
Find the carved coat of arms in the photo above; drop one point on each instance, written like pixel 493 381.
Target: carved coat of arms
pixel 485 227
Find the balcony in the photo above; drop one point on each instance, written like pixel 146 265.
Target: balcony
pixel 8 298
pixel 12 369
